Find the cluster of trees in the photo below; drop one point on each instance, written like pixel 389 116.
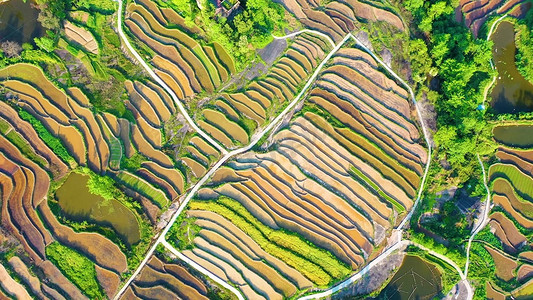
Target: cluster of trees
pixel 524 44
pixel 249 28
pixel 452 68
pixel 450 223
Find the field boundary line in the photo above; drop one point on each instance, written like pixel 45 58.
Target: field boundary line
pixel 181 108
pixel 202 270
pixel 255 139
pixel 304 31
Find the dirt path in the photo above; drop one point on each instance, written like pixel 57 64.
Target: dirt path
pixel 227 155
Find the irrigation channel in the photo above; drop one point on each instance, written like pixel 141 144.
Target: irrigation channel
pixel 397 245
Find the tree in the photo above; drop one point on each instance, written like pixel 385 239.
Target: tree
pixel 45 43
pixel 11 49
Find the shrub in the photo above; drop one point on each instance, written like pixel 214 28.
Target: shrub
pixel 50 140
pixel 76 267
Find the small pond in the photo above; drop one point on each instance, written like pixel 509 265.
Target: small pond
pixel 514 135
pixel 78 204
pixel 512 93
pixel 415 279
pixel 18 21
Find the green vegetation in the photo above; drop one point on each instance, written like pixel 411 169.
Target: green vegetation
pixel 50 140
pixel 24 147
pixel 132 163
pixel 240 34
pixel 481 269
pixel 182 232
pixel 359 175
pixel 318 265
pixel 137 184
pixel 77 268
pixel 524 45
pixel 523 184
pixel 450 223
pixel 487 236
pixel 453 254
pixel 458 66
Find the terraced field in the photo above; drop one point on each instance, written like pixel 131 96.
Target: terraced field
pixel 179 60
pixel 315 204
pixel 475 12
pixel 337 18
pixel 511 221
pixel 84 191
pixel 235 117
pixel 166 280
pixel 46 131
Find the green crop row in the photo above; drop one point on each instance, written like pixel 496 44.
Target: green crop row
pixel 316 264
pixel 50 140
pixel 76 267
pixel 358 174
pixel 135 183
pixel 522 183
pixel 24 147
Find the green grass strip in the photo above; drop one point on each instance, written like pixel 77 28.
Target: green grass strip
pixel 4 126
pixel 49 139
pixel 358 174
pixel 318 265
pixel 76 267
pixel 144 188
pixel 17 140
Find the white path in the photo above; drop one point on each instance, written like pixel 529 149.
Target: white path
pixel 304 31
pixel 181 108
pixel 202 270
pixel 227 155
pixel 481 223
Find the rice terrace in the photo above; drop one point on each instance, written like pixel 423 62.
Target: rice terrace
pixel 266 149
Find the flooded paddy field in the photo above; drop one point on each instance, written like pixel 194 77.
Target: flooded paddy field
pixel 416 279
pixel 512 93
pixel 18 21
pixel 78 204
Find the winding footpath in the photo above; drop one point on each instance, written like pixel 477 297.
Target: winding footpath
pixel 481 223
pixel 152 74
pixel 227 155
pixel 399 244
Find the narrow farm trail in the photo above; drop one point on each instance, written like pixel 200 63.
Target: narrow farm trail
pixel 202 269
pixel 227 155
pixel 481 223
pixel 152 74
pixel 304 31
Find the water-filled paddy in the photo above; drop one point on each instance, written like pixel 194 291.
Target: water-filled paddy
pixel 78 204
pixel 415 279
pixel 512 93
pixel 18 21
pixel 514 135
